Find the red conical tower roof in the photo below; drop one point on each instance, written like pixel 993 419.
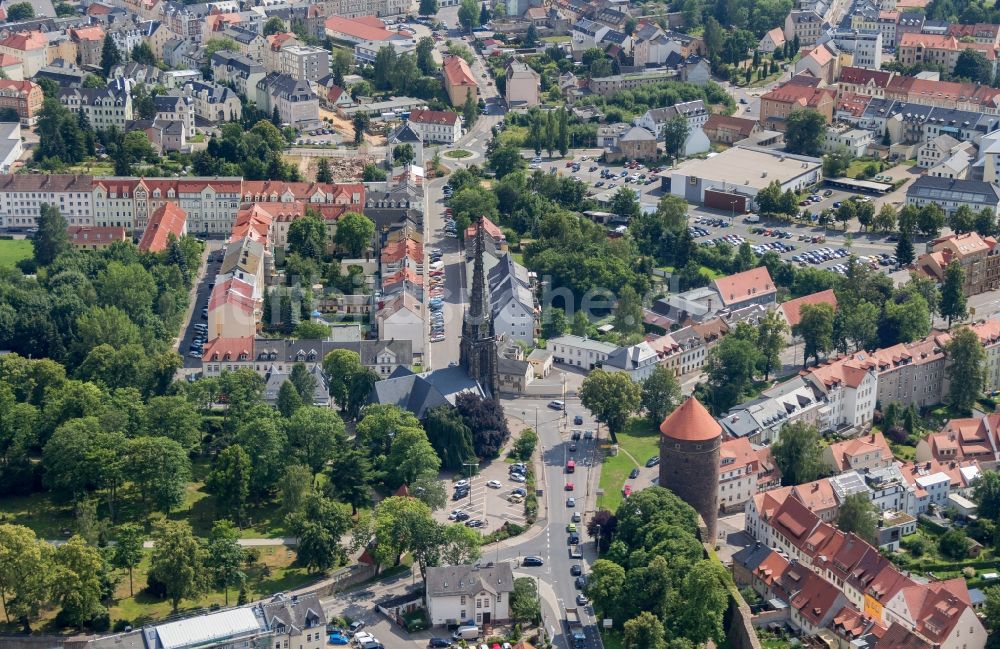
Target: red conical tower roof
pixel 691 423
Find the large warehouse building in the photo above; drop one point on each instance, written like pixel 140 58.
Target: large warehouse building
pixel 730 180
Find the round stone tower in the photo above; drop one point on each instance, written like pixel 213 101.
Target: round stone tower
pixel 689 460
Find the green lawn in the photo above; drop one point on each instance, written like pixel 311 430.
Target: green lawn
pixel 457 153
pixel 612 639
pixel 13 251
pixel 37 512
pixel 640 440
pixel 555 39
pixel 704 270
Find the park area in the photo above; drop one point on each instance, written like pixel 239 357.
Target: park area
pixel 636 444
pixel 13 251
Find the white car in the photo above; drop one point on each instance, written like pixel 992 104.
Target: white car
pixel 454 514
pixel 517 477
pixel 494 484
pixel 461 483
pixel 362 637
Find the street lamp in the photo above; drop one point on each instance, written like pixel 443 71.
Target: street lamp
pixel 470 465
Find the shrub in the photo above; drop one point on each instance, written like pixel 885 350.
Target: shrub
pixel 897 435
pixel 953 544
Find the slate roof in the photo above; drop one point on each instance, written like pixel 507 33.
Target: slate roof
pixel 448 581
pixel 420 392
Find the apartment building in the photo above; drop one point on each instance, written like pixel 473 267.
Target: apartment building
pixel 778 104
pixel 743 472
pixel 978 256
pixel 295 100
pixel 579 351
pixel 184 21
pixel 459 82
pixel 238 69
pixel 441 126
pixel 760 420
pixel 916 49
pixel 844 138
pixel 212 102
pixel 31 48
pixel 103 107
pixel 303 62
pixel 23 96
pixel 951 193
pixel 523 85
pixel 806 24
pixel 22 196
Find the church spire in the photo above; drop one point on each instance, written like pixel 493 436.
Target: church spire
pixel 477 302
pixel 478 348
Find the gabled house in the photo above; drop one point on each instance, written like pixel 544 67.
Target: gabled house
pixel 480 593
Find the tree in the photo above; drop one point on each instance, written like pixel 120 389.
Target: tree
pixel 816 328
pixel 50 239
pixel 297 482
pixel 628 311
pixel 531 36
pixel 771 332
pixel 468 14
pixel 962 220
pixel 82 458
pixel 953 303
pixel 485 418
pixel 954 544
pixel 273 26
pixel 25 573
pixel 224 557
pixel 524 445
pixel 504 160
pixel 371 173
pixel 360 123
pixel 307 236
pixel 625 203
pixel 661 393
pixel 354 233
pixel 605 586
pixel 314 434
pixel 675 134
pixel 177 561
pixel 340 366
pixel 160 470
pixel 319 529
pixel 110 56
pixel 128 550
pixel 612 397
pixel 858 514
pixel 323 174
pixel 967 369
pixel 402 154
pixel 804 131
pixel 230 481
pixel 450 437
pixel 554 322
pixel 20 11
pixel 76 584
pixel 904 249
pixel 470 110
pixel 525 605
pixel 410 457
pixel 143 53
pixel 644 631
pixel 798 453
pixel 972 65
pixel 930 220
pixel 731 367
pixel 581 324
pixel 986 492
pixel 835 164
pixel 428 7
pixel 885 220
pixel 701 602
pixel 349 476
pixel 173 417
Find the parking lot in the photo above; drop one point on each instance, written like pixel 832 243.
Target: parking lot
pixel 490 500
pixel 814 245
pixel 194 336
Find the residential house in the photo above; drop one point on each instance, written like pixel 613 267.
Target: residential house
pixel 172 106
pixel 778 104
pixel 481 593
pixel 578 351
pixel 169 220
pixel 238 69
pixel 771 41
pixel 962 440
pixel 213 103
pixel 807 25
pixel 522 86
pixel 438 126
pixel 858 454
pixel 694 112
pixel 918 49
pixel 862 47
pixel 83 237
pixel 512 304
pixel 938 149
pixel 295 620
pixel 459 82
pixel 820 62
pixel 637 361
pixel 89 43
pixel 749 287
pixel 295 100
pixel 761 419
pixel 401 317
pixel 103 107
pixel 22 195
pixel 850 392
pixel 729 130
pixel 31 48
pixel 844 138
pixel 791 310
pixel 743 472
pixel 233 308
pixel 636 144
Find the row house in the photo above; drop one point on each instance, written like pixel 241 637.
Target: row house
pixel 760 420
pixel 961 440
pixel 951 193
pixel 24 97
pixel 89 44
pixel 103 107
pixel 22 196
pixel 744 470
pixel 237 69
pixel 918 49
pixel 939 612
pixel 978 256
pixel 184 21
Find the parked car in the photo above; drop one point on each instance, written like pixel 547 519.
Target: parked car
pixel 653 461
pixel 578 420
pixel 532 561
pixel 634 473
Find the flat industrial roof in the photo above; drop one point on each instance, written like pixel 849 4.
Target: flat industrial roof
pixel 863 184
pixel 745 167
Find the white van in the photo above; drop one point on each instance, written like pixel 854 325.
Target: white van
pixel 753 218
pixel 466 633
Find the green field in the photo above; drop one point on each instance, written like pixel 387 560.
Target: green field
pixel 457 153
pixel 641 441
pixel 13 251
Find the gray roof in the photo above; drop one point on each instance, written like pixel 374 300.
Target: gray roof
pixel 637 134
pixel 512 366
pixel 751 556
pixel 275 379
pixel 401 349
pixel 582 343
pixel 290 351
pixel 420 392
pixel 449 581
pixel 955 189
pixel 294 613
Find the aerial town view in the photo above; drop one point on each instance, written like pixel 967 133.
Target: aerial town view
pixel 499 324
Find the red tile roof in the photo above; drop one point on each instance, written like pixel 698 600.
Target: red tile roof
pixel 86 235
pixel 864 76
pixel 442 117
pixel 94 33
pixel 792 309
pixel 228 349
pixel 871 443
pixel 166 220
pixel 691 422
pixel 742 126
pixel 233 291
pixel 816 598
pixel 899 637
pixel 457 72
pixel 25 41
pixel 940 42
pixel 740 287
pixel 359 28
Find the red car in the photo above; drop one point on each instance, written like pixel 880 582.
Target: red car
pixel 569 486
pixel 627 491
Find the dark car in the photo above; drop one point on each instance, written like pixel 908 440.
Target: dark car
pixel 519 491
pixel 653 461
pixel 580 583
pixel 578 420
pixel 574 538
pixel 575 435
pixel 356 626
pixel 576 570
pixel 634 473
pixel 462 516
pixel 475 522
pixel 532 561
pixel 440 642
pixel 581 600
pixel 572 447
